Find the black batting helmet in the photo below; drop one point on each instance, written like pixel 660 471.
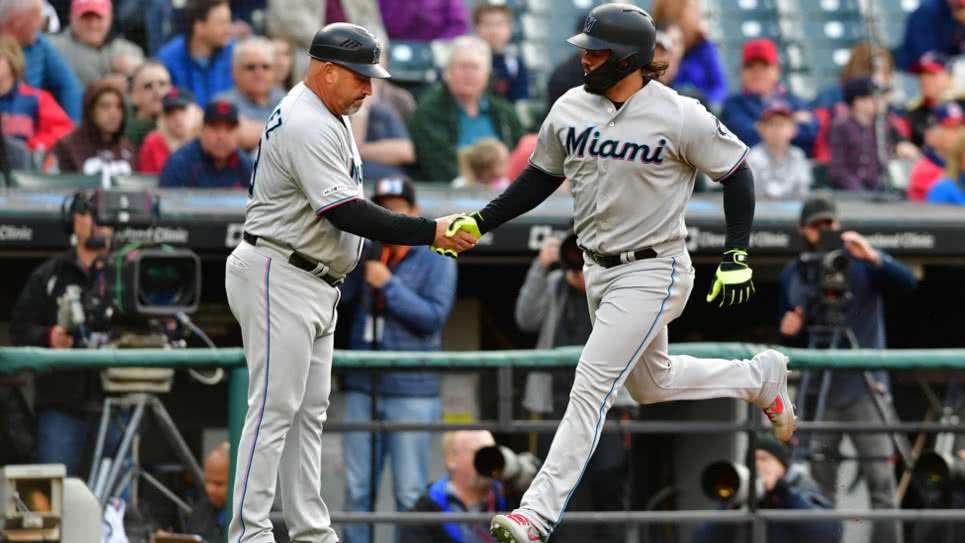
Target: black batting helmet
pixel 351 47
pixel 627 31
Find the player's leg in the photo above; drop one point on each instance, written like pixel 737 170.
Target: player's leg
pixel 357 453
pixel 878 474
pixel 277 347
pixel 628 315
pixel 301 472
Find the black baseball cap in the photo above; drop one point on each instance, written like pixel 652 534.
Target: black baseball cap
pixel 767 442
pixel 818 209
pixel 176 98
pixel 221 111
pixel 398 186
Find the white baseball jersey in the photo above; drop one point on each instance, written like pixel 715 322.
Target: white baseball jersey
pixel 632 169
pixel 307 163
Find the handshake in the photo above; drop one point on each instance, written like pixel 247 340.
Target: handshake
pixel 455 234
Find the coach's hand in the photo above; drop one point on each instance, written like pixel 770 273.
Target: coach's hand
pixel 732 281
pixel 455 234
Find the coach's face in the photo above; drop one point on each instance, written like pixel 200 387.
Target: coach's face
pixel 348 89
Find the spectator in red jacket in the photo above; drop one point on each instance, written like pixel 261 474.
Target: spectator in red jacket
pixel 30 115
pixel 179 122
pixel 943 129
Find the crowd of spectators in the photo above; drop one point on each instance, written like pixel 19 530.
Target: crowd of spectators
pixel 251 53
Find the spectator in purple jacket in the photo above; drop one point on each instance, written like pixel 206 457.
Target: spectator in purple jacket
pixel 700 69
pixel 761 84
pixel 855 164
pixel 424 20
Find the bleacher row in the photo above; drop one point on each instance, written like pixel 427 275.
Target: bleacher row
pixel 814 37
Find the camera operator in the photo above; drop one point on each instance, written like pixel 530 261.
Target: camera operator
pixel 870 273
pixel 780 491
pixel 66 400
pixel 461 490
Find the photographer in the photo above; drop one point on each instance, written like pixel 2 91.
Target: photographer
pixel 401 297
pixel 461 490
pixel 67 400
pixel 780 491
pixel 870 272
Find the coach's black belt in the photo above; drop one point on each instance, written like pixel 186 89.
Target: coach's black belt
pixel 299 261
pixel 609 261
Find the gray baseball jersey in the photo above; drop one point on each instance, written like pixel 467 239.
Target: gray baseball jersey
pixel 632 169
pixel 306 164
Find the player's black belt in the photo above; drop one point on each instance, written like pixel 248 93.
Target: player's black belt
pixel 609 261
pixel 299 261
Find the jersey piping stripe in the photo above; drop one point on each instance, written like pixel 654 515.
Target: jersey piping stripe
pixel 335 204
pixel 264 400
pixel 545 171
pixel 626 367
pixel 724 177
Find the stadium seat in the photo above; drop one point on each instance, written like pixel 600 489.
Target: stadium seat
pixel 37 180
pixel 534 28
pixel 136 182
pixel 412 61
pixel 840 7
pixel 745 8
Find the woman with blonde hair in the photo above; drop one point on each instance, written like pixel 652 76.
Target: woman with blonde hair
pixel 951 189
pixel 31 115
pixel 701 68
pixel 483 164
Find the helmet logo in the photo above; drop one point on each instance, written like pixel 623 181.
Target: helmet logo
pixel 589 24
pixel 376 53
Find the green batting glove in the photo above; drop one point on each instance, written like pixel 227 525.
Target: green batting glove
pixel 732 281
pixel 462 222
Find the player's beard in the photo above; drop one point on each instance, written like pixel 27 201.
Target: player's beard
pixel 354 107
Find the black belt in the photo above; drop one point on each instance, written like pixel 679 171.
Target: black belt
pixel 609 261
pixel 299 261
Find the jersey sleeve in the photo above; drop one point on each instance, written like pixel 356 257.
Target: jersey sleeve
pixel 707 144
pixel 322 170
pixel 548 155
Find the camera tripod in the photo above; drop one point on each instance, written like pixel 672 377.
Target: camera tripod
pixel 830 336
pixel 109 477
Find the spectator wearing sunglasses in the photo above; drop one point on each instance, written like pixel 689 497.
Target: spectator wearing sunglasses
pixel 254 93
pixel 149 83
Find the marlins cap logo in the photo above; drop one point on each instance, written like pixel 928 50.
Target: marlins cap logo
pixel 376 53
pixel 589 24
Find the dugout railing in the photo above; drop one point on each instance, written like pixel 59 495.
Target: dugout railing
pixel 504 364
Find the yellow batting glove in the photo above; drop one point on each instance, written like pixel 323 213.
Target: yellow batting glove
pixel 462 222
pixel 732 280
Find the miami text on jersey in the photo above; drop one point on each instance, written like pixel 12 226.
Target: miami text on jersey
pixel 623 150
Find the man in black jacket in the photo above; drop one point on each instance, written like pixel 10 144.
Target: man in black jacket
pixel 67 400
pixel 461 490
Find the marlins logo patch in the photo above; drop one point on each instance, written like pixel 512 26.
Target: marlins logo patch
pixel 589 23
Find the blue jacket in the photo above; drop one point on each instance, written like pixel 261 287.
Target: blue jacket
pixel 931 27
pixel 783 497
pixel 741 111
pixel 865 313
pixel 701 69
pixel 418 299
pixel 45 69
pixel 510 77
pixel 947 191
pixel 190 166
pixel 204 80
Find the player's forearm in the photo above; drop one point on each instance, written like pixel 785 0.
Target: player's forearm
pixel 739 207
pixel 528 191
pixel 365 219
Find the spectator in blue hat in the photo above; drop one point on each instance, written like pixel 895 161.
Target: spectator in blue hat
pixel 951 189
pixel 781 170
pixel 936 86
pixel 212 160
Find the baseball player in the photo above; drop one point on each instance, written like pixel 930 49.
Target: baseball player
pixel 304 224
pixel 631 149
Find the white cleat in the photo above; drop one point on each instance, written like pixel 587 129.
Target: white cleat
pixel 780 411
